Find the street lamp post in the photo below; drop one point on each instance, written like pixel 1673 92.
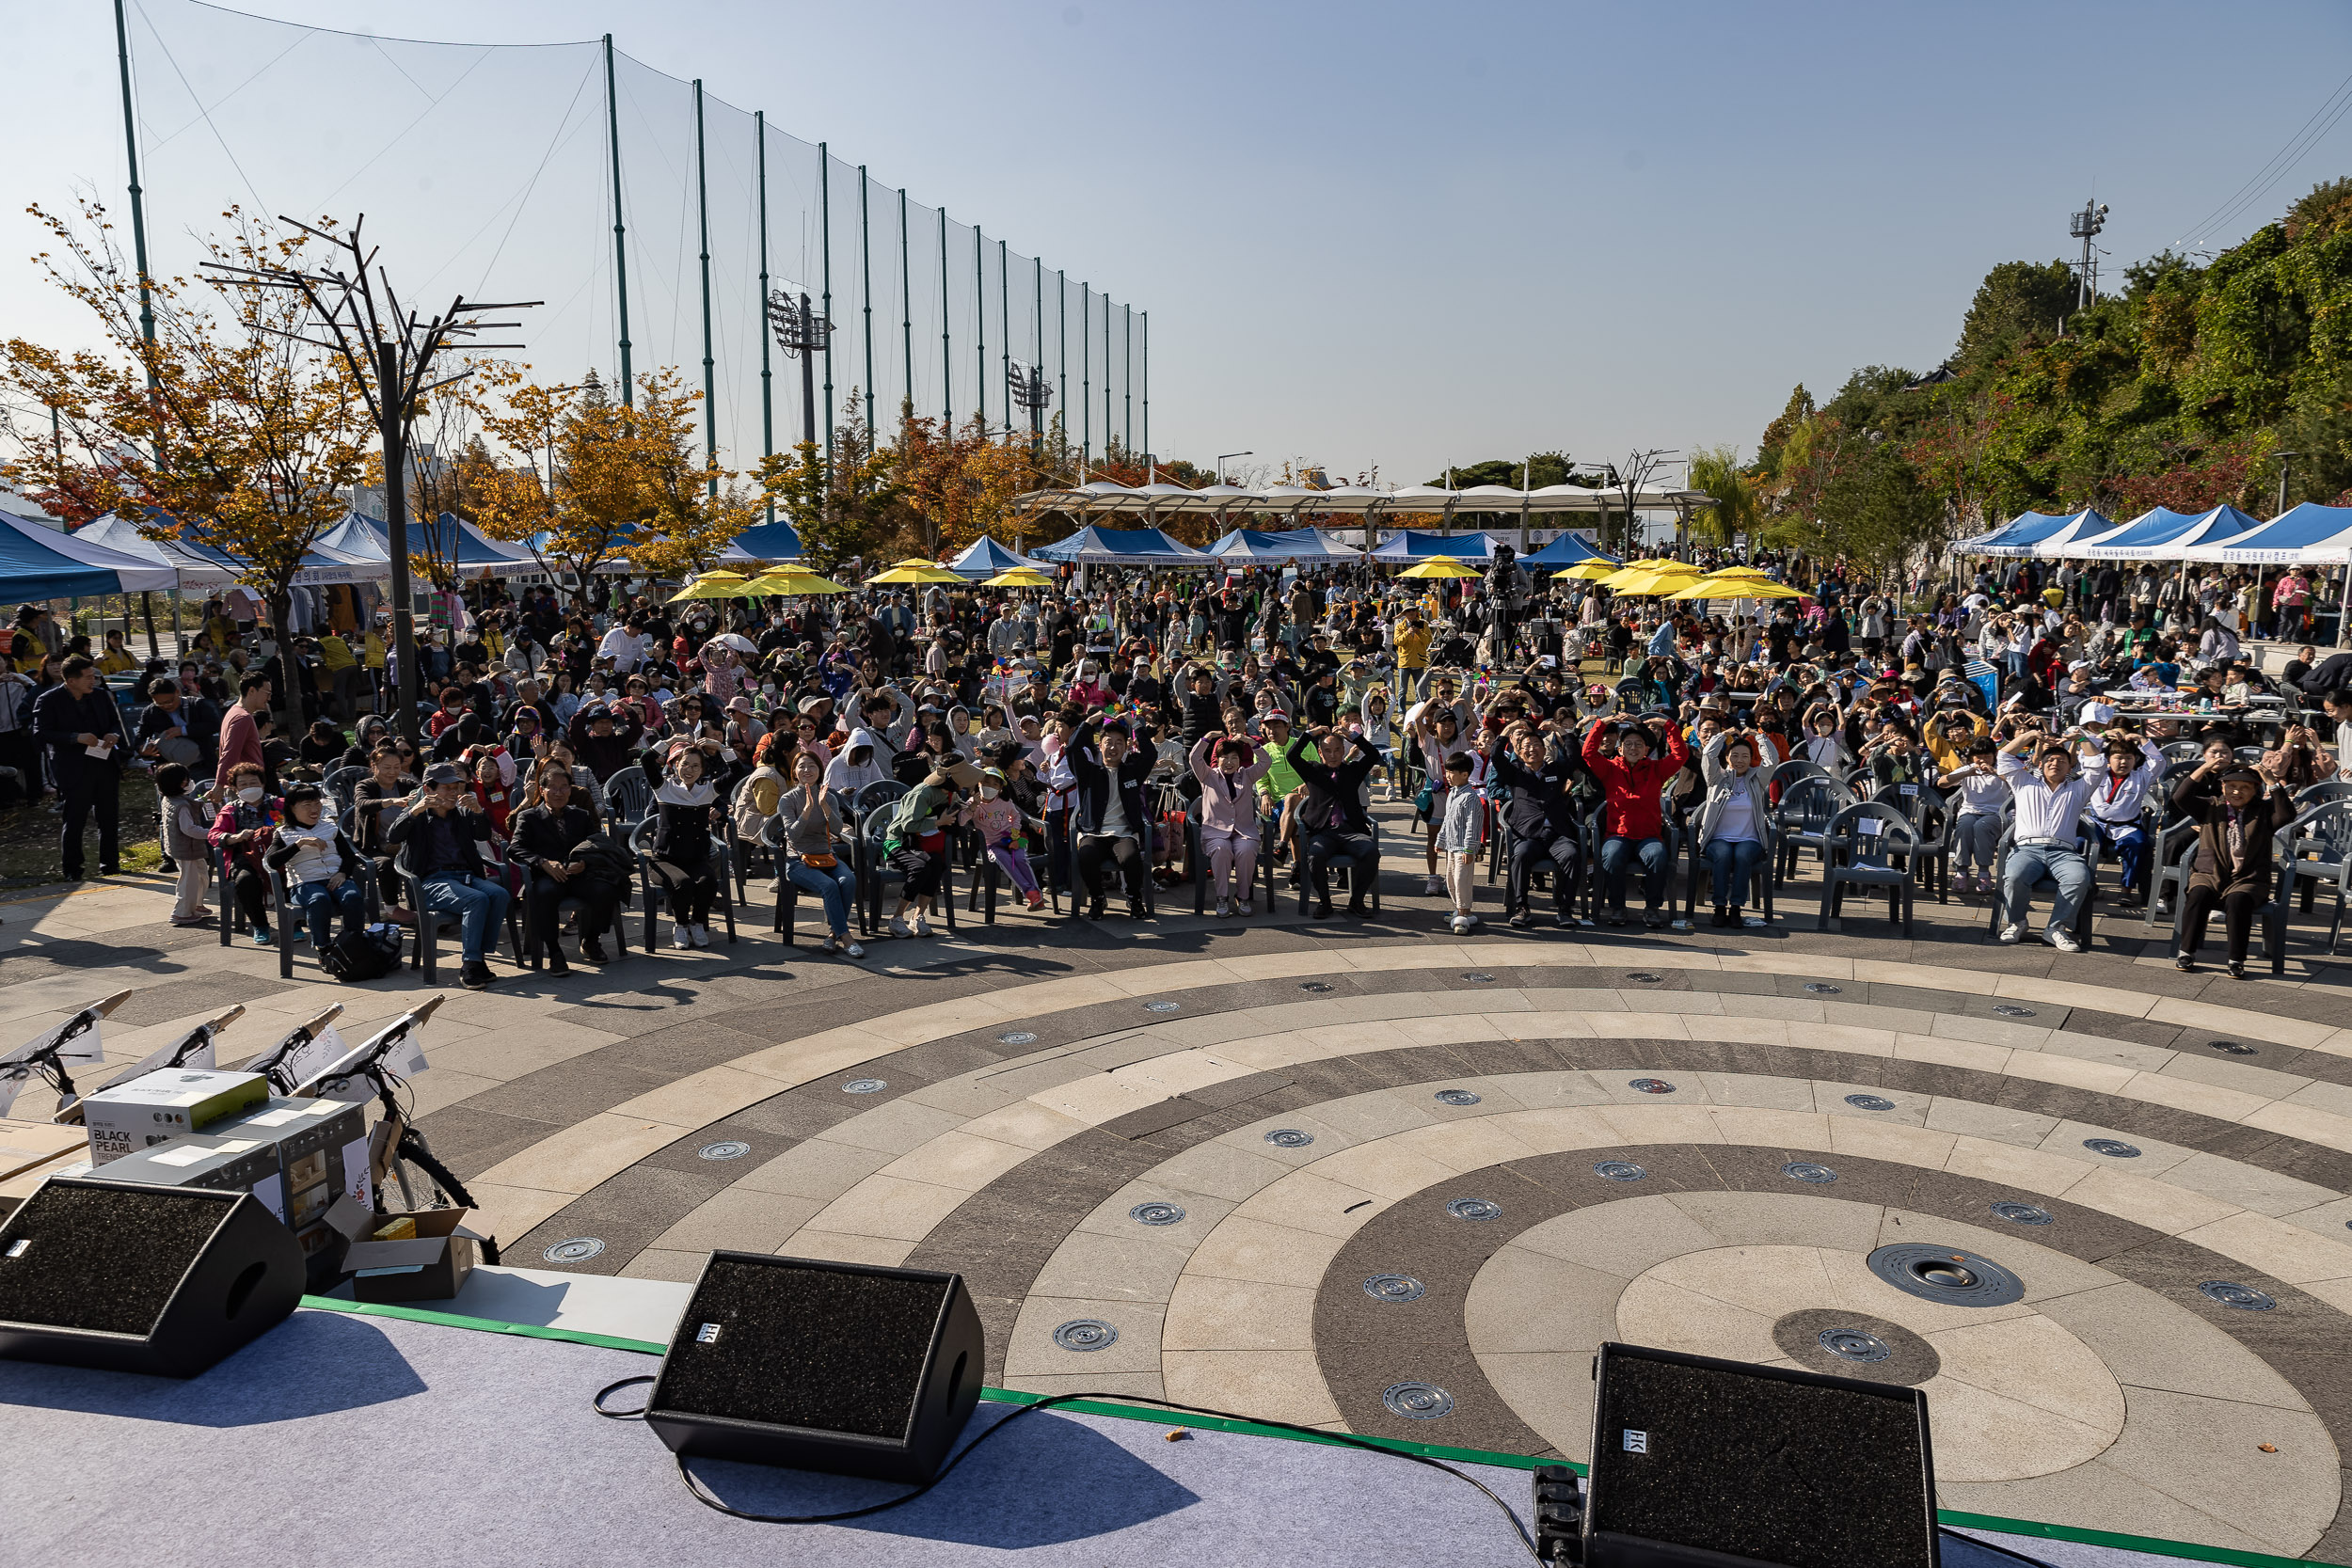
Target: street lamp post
pixel 801 332
pixel 1221 462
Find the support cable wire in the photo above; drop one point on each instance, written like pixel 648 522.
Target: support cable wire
pixel 2280 162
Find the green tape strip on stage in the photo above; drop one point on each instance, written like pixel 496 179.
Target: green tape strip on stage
pixel 1430 1451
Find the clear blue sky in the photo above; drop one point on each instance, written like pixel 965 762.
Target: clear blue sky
pixel 1367 233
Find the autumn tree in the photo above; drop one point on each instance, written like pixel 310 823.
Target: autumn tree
pixel 688 506
pixel 569 488
pixel 228 424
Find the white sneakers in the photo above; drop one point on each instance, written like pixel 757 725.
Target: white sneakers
pixel 922 926
pixel 898 926
pixel 2061 939
pixel 1436 888
pixel 2013 933
pixel 701 935
pixel 681 936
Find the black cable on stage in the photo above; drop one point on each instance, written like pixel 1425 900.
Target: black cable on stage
pixel 703 1495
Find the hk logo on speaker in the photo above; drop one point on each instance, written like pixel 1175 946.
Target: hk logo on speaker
pixel 1636 1442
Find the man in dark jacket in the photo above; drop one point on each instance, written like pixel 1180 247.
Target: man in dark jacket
pixel 444 832
pixel 78 721
pixel 1542 817
pixel 602 740
pixel 1331 820
pixel 1114 815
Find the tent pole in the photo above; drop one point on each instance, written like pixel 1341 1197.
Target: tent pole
pixel 147 602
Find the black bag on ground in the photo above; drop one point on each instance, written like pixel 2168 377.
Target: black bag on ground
pixel 361 953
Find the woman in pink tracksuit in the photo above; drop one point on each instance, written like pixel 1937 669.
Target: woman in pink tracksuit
pixel 1229 768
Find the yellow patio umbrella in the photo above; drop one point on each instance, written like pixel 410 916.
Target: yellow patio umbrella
pixel 1592 571
pixel 1721 586
pixel 712 585
pixel 1662 581
pixel 1630 571
pixel 794 584
pixel 915 569
pixel 1019 576
pixel 1441 566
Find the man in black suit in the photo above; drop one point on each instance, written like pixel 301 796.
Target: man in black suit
pixel 78 721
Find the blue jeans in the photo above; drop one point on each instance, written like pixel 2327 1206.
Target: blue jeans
pixel 837 887
pixel 2130 844
pixel 1732 863
pixel 1617 858
pixel 319 904
pixel 2028 864
pixel 479 903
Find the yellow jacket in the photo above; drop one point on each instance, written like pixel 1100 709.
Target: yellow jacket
pixel 1412 647
pixel 1946 756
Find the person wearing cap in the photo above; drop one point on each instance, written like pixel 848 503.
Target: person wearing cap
pixel 1004 830
pixel 1329 820
pixel 2131 774
pixel 1977 825
pixel 443 831
pixel 1542 816
pixel 1112 812
pixel 1633 826
pixel 322 870
pixel 916 842
pixel 2237 811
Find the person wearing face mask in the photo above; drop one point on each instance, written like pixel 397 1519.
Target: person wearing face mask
pixel 322 871
pixel 1004 829
pixel 248 824
pixel 916 842
pixel 1227 768
pixel 1977 827
pixel 688 807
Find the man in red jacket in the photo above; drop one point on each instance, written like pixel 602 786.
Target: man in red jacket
pixel 1633 824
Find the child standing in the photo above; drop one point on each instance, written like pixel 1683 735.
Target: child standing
pixel 184 832
pixel 1003 827
pixel 1461 834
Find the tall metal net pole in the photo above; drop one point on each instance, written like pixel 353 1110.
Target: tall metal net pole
pixel 980 324
pixel 138 202
pixel 702 200
pixel 620 230
pixel 1003 323
pixel 767 389
pixel 865 292
pixel 946 349
pixel 824 205
pixel 1127 376
pixel 1086 374
pixel 1061 339
pixel 1147 383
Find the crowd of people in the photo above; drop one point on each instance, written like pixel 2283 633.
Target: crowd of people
pixel 1063 740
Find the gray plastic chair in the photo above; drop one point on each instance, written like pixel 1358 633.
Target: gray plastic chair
pixel 1853 852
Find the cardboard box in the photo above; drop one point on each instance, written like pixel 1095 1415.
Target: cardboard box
pixel 123 1118
pixel 200 1160
pixel 431 1268
pixel 320 1144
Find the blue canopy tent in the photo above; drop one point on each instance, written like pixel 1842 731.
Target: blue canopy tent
pixel 1567 550
pixel 1094 545
pixel 194 564
pixel 1249 547
pixel 2021 533
pixel 2158 533
pixel 2305 535
pixel 767 543
pixel 39 562
pixel 369 539
pixel 1410 546
pixel 984 558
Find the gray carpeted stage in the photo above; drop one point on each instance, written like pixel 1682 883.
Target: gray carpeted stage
pixel 368 1440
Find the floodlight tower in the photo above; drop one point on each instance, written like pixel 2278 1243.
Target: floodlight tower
pixel 1029 389
pixel 801 331
pixel 2083 226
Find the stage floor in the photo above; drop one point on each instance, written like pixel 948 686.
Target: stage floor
pixel 340 1437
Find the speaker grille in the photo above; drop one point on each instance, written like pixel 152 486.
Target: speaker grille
pixel 804 1346
pixel 1785 1472
pixel 103 1259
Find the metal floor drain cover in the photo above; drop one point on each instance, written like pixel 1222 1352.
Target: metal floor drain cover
pixel 1951 1274
pixel 1155 1214
pixel 2004 1011
pixel 578 1250
pixel 1315 985
pixel 1456 1097
pixel 730 1149
pixel 1619 1171
pixel 1474 1209
pixel 1393 1287
pixel 1822 987
pixel 1290 1137
pixel 1650 1086
pixel 1418 1402
pixel 1083 1334
pixel 2020 1213
pixel 1475 978
pixel 1852 1344
pixel 1806 1171
pixel 1018 1036
pixel 863 1085
pixel 1645 978
pixel 2230 1048
pixel 2114 1149
pixel 2229 1293
pixel 1163 1006
pixel 1869 1102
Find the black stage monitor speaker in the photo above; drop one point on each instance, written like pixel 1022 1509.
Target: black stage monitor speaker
pixel 1706 1463
pixel 141 1280
pixel 838 1367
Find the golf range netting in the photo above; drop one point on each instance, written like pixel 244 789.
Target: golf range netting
pixel 488 169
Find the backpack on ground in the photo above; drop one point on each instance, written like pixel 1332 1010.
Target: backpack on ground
pixel 362 954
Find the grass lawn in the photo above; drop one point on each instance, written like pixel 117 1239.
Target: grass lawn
pixel 28 838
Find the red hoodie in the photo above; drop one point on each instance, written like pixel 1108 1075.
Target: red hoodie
pixel 1634 787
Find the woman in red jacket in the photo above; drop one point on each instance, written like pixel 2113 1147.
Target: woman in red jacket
pixel 1633 824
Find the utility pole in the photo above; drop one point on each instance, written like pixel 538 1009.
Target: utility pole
pixel 2286 460
pixel 138 202
pixel 2082 226
pixel 620 230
